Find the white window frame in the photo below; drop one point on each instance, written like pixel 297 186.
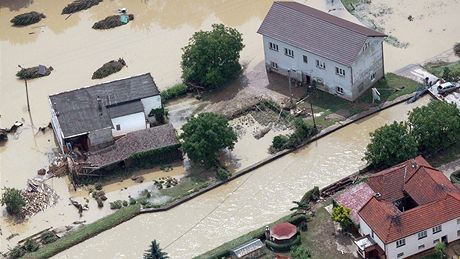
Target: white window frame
pixel 273 46
pixel 289 52
pixel 320 64
pixel 339 90
pixel 339 71
pixel 274 65
pixel 437 229
pixel 422 234
pixel 400 242
pixel 305 59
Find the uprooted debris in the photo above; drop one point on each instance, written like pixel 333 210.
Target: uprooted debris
pixel 109 68
pixel 3 135
pixel 78 205
pixel 27 18
pixel 113 21
pixel 34 72
pixel 59 167
pixel 38 196
pixel 165 182
pixel 12 129
pixel 79 5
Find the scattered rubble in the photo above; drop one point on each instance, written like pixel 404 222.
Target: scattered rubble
pixel 38 197
pixel 165 182
pixel 109 68
pixel 59 167
pixel 79 5
pixel 113 21
pixel 34 72
pixel 27 18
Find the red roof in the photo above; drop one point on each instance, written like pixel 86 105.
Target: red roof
pixel 283 231
pixel 355 198
pixel 438 200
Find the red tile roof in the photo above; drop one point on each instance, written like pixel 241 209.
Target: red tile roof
pixel 355 198
pixel 315 31
pixel 438 200
pixel 283 231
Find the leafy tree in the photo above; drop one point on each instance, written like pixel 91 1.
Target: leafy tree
pixel 13 200
pixel 211 57
pixel 17 252
pixel 341 215
pixel 31 245
pixel 390 145
pixel 155 252
pixel 440 248
pixel 206 134
pixel 300 252
pixel 435 126
pixel 447 74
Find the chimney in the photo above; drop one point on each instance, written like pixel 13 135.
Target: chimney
pixel 99 105
pixel 414 163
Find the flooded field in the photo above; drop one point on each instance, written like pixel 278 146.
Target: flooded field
pixel 242 205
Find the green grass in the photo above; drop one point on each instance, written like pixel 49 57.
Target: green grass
pixel 391 88
pixel 83 233
pixel 436 68
pixel 185 187
pixel 174 91
pixel 351 4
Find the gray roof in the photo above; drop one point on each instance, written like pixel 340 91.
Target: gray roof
pixel 315 31
pixel 132 143
pixel 78 110
pixel 125 109
pixel 247 248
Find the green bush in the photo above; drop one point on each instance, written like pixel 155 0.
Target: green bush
pixel 125 203
pixel 174 92
pixel 98 186
pixel 132 201
pixel 222 174
pixel 279 142
pixel 48 237
pixel 13 200
pixel 311 195
pixel 17 252
pixel 159 114
pixel 31 245
pixel 283 247
pixel 341 215
pixel 118 204
pixel 300 252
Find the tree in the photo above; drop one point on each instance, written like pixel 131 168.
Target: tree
pixel 13 200
pixel 205 135
pixel 300 252
pixel 341 215
pixel 155 252
pixel 211 57
pixel 435 126
pixel 447 74
pixel 390 144
pixel 440 248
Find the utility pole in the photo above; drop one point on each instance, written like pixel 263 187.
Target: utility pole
pixel 27 91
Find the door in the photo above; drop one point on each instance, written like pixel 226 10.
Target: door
pixel 307 79
pixel 444 239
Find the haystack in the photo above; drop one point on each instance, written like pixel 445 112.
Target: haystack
pixel 112 22
pixel 109 68
pixel 27 18
pixel 79 5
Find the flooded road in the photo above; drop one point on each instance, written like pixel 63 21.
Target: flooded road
pixel 242 205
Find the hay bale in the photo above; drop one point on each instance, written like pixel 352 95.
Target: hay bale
pixel 27 18
pixel 111 22
pixel 79 5
pixel 32 72
pixel 109 68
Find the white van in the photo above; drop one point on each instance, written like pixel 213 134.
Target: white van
pixel 447 87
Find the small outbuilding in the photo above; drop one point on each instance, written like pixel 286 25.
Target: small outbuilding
pixel 252 249
pixel 283 233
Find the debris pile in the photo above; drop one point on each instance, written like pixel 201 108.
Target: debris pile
pixel 165 182
pixel 79 5
pixel 59 167
pixel 109 68
pixel 113 21
pixel 79 207
pixel 13 129
pixel 38 197
pixel 3 135
pixel 34 72
pixel 27 18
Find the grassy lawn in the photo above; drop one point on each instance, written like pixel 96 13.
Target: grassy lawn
pixel 436 68
pixel 186 186
pixel 83 233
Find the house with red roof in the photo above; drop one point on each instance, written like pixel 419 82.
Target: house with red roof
pixel 414 207
pixel 321 50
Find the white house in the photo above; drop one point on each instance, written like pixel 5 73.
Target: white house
pixel 91 117
pixel 414 206
pixel 322 50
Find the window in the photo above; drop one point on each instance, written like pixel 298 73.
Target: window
pixel 400 255
pixel 339 71
pixel 289 52
pixel 273 46
pixel 320 64
pixel 118 127
pixel 373 77
pixel 339 90
pixel 366 45
pixel 437 229
pixel 421 247
pixel 401 242
pixel 274 65
pixel 458 221
pixel 458 233
pixel 422 234
pixel 305 59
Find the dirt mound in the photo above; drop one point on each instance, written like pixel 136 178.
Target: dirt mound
pixel 112 22
pixel 27 18
pixel 33 72
pixel 79 5
pixel 109 68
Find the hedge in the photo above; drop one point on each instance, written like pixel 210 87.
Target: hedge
pixel 283 247
pixel 158 156
pixel 174 92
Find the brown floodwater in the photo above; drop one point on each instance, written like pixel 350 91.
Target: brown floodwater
pixel 249 202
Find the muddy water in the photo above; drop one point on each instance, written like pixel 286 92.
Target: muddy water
pixel 245 204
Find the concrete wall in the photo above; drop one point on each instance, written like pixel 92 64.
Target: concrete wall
pixel 369 61
pixel 56 127
pixel 100 138
pixel 364 229
pixel 128 123
pixel 449 228
pixel 328 75
pixel 153 102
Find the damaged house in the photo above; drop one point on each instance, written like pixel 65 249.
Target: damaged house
pixel 91 118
